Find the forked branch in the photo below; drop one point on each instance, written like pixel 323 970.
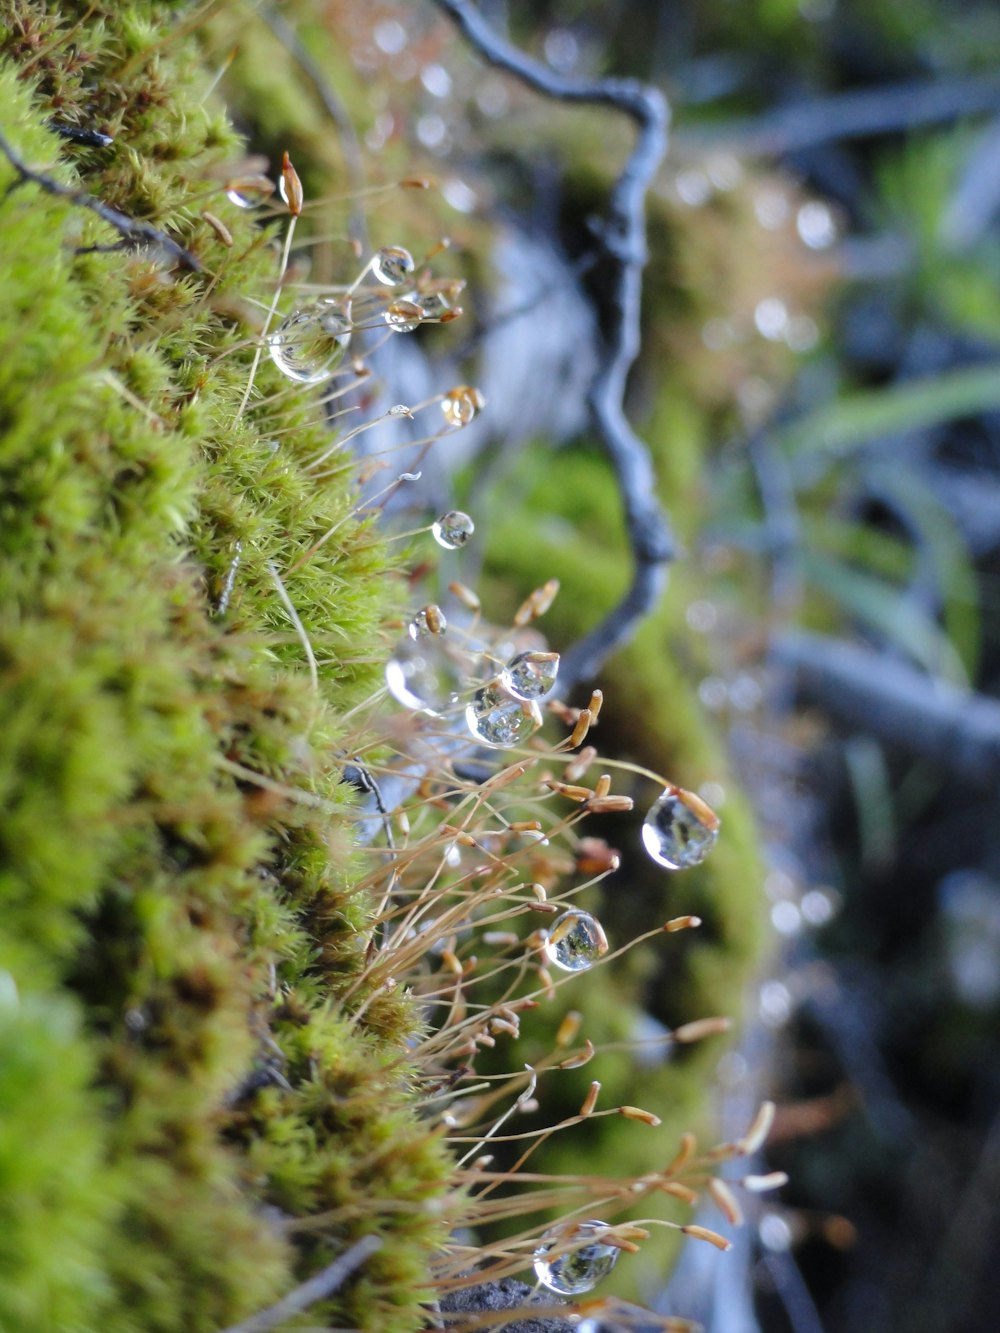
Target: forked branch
pixel 621 236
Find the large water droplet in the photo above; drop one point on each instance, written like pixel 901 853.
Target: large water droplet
pixel 392 265
pixel 461 405
pixel 403 316
pixel 310 343
pixel 499 720
pixel 453 529
pixel 531 675
pixel 583 1259
pixel 680 829
pixel 422 674
pixel 576 941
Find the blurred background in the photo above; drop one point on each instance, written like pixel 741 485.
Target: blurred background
pixel 819 387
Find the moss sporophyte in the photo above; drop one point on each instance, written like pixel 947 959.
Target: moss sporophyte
pixel 259 1028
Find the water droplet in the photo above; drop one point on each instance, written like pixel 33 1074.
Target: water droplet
pixel 390 36
pixel 248 191
pixel 771 318
pixel 693 187
pixel 680 829
pixel 576 941
pixel 625 1319
pixel 531 675
pixel 499 720
pixel 775 1233
pixel 453 529
pixel 583 1259
pixel 311 342
pixel 423 675
pixel 403 316
pixel 461 405
pixel 432 131
pixel 428 620
pixel 433 304
pixel 392 265
pixel 436 80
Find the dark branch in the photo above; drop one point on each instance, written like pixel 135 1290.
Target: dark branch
pixel 856 114
pixel 325 1283
pixel 621 237
pixel 957 730
pixel 132 232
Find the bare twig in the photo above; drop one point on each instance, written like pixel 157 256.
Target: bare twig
pixel 132 232
pixel 325 1283
pixel 621 237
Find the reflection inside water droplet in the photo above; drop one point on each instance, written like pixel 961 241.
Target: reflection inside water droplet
pixel 461 405
pixel 576 941
pixel 249 191
pixel 584 1260
pixel 403 316
pixel 453 529
pixel 392 265
pixel 429 619
pixel 531 675
pixel 423 675
pixel 311 342
pixel 680 829
pixel 497 719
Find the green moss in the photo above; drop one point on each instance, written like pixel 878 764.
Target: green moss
pixel 148 892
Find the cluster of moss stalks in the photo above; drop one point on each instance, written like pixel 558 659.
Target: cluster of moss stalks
pixel 179 1082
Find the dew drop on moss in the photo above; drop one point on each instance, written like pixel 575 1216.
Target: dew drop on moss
pixel 680 829
pixel 433 304
pixel 461 405
pixel 531 675
pixel 576 941
pixel 392 265
pixel 310 343
pixel 423 675
pixel 403 316
pixel 429 619
pixel 577 1269
pixel 453 529
pixel 499 720
pixel 249 191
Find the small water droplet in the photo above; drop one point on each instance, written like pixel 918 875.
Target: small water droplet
pixel 531 675
pixel 498 719
pixel 584 1259
pixel 249 191
pixel 392 265
pixel 436 80
pixel 403 316
pixel 626 1319
pixel 399 410
pixel 423 675
pixel 771 318
pixel 462 404
pixel 453 529
pixel 680 829
pixel 576 941
pixel 311 342
pixel 429 619
pixel 433 304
